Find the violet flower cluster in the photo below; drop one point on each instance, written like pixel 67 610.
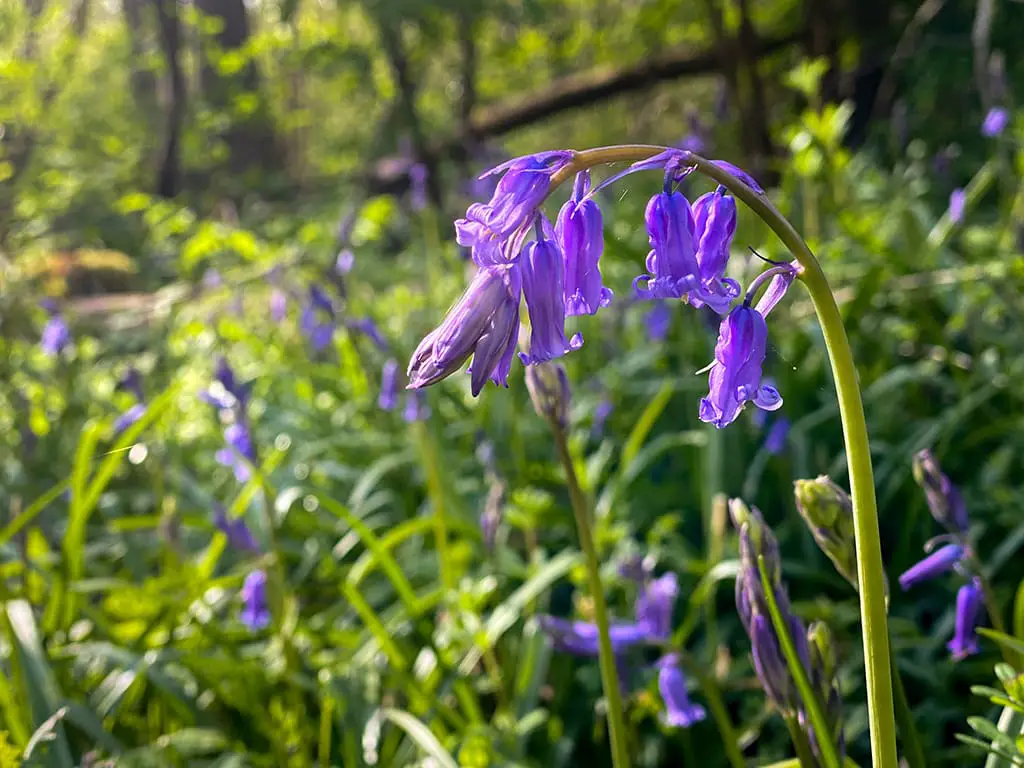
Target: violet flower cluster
pixel 651 627
pixel 953 553
pixel 231 398
pixel 56 335
pixel 813 646
pixel 557 271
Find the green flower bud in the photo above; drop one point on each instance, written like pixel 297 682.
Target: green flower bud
pixel 828 512
pixel 550 393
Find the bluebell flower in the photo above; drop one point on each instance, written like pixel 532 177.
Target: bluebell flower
pixel 523 186
pixel 672 262
pixel 969 604
pixel 714 216
pixel 778 434
pixel 995 122
pixel 56 335
pixel 344 262
pixel 680 712
pixel 388 397
pixel 278 305
pixel 228 393
pixel 240 452
pixel 735 376
pixel 942 560
pixel 418 186
pixel 658 321
pixel 601 413
pixel 654 606
pixel 483 323
pixel 368 328
pixel 317 319
pixel 957 202
pixel 416 407
pixel 580 235
pixel 543 275
pixel 944 499
pixel 580 638
pixel 128 418
pixel 237 532
pixel 131 381
pixel 255 614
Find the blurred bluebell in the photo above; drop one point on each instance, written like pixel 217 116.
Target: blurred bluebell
pixel 680 712
pixel 580 638
pixel 237 532
pixel 969 604
pixel 654 606
pixel 129 417
pixel 483 323
pixel 543 279
pixel 240 452
pixel 255 614
pixel 344 262
pixel 418 186
pixel 278 305
pixel 944 499
pixel 778 435
pixel 56 335
pixel 388 397
pixel 735 376
pixel 416 407
pixel 942 560
pixel 524 184
pixel 367 327
pixel 658 321
pixel 317 319
pixel 130 381
pixel 957 202
pixel 602 411
pixel 995 122
pixel 212 279
pixel 580 234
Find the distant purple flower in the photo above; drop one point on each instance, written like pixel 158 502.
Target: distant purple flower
pixel 368 328
pixel 692 142
pixel 937 563
pixel 601 413
pixel 418 186
pixel 995 122
pixel 416 407
pixel 580 235
pixel 580 638
pixel 969 603
pixel 345 261
pixel 128 418
pixel 658 321
pixel 543 276
pixel 680 712
pixel 735 376
pixel 278 305
pixel 56 336
pixel 388 397
pixel 524 184
pixel 957 202
pixel 483 323
pixel 237 532
pixel 131 381
pixel 230 393
pixel 778 434
pixel 654 606
pixel 255 614
pixel 944 499
pixel 317 319
pixel 240 452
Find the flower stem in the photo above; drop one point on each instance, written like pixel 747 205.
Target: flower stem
pixel 870 573
pixel 913 754
pixel 606 657
pixel 802 747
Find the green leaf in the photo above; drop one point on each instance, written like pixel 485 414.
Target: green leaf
pixel 422 735
pixel 1002 639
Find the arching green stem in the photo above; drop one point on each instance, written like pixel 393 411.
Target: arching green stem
pixel 870 574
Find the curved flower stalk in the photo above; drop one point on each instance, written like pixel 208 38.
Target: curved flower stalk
pixel 495 231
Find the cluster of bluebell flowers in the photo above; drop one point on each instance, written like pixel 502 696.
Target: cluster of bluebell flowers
pixel 519 254
pixel 652 627
pixel 948 552
pixel 231 398
pixel 56 334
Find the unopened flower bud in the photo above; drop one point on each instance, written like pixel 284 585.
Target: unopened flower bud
pixel 550 393
pixel 944 499
pixel 828 512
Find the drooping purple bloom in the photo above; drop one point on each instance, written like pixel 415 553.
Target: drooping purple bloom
pixel 580 638
pixel 680 712
pixel 654 606
pixel 543 276
pixel 937 563
pixel 56 336
pixel 228 392
pixel 658 321
pixel 278 305
pixel 944 499
pixel 368 328
pixel 418 186
pixel 483 323
pixel 714 216
pixel 957 202
pixel 345 261
pixel 781 278
pixel 317 319
pixel 995 122
pixel 130 381
pixel 778 434
pixel 255 614
pixel 416 407
pixel 601 413
pixel 524 184
pixel 128 418
pixel 240 452
pixel 237 532
pixel 580 235
pixel 388 397
pixel 735 376
pixel 969 602
pixel 672 263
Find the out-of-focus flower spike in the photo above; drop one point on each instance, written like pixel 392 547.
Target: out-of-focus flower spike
pixel 654 606
pixel 944 499
pixel 778 434
pixel 996 120
pixel 940 561
pixel 680 712
pixel 255 614
pixel 388 397
pixel 580 638
pixel 416 407
pixel 957 204
pixel 969 605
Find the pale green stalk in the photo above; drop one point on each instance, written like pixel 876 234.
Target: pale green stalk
pixel 870 574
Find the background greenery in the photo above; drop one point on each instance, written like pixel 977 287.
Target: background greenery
pixel 160 211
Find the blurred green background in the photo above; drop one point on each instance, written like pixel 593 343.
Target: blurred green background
pixel 173 173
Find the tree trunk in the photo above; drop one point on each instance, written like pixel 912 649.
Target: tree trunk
pixel 252 143
pixel 143 81
pixel 169 178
